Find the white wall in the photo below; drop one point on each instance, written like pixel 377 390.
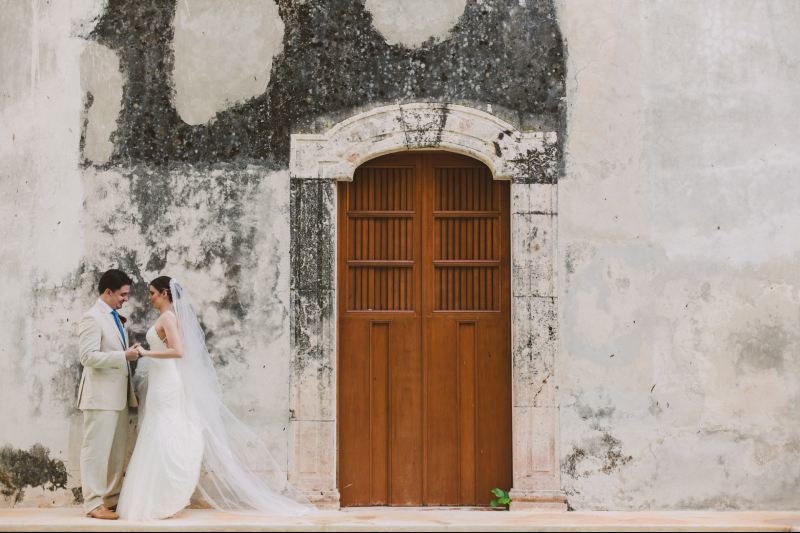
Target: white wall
pixel 679 258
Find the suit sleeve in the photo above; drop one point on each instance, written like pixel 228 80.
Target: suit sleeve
pixel 89 341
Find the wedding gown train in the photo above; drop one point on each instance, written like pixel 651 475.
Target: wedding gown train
pixel 189 439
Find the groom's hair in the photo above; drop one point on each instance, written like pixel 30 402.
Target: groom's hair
pixel 113 279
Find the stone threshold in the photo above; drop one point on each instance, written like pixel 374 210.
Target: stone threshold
pixel 409 519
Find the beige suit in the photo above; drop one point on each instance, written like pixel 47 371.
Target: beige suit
pixel 104 396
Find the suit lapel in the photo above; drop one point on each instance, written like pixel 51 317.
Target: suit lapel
pixel 107 320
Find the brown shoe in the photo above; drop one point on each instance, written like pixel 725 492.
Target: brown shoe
pixel 103 513
pixel 112 508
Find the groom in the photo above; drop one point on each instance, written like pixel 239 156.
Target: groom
pixel 104 395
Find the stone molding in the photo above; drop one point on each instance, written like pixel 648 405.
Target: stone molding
pixel 337 153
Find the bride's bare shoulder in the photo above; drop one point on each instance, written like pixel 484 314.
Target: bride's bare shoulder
pixel 167 317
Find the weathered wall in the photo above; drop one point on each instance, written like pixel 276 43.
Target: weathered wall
pixel 153 136
pixel 130 136
pixel 678 263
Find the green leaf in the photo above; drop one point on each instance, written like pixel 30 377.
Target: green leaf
pixel 505 501
pixel 499 492
pixel 494 503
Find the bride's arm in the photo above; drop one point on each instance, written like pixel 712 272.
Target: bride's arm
pixel 174 343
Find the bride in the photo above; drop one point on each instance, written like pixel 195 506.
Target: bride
pixel 188 439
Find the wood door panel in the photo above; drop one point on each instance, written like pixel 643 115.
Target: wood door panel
pixel 380 449
pixel 405 412
pixel 442 461
pixel 355 466
pixel 424 332
pixel 493 410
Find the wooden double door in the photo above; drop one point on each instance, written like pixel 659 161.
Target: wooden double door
pixel 424 354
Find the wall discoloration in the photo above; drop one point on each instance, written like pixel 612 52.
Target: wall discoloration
pixel 183 221
pixel 20 469
pixel 422 130
pixel 101 82
pixel 762 346
pixel 540 166
pixel 602 453
pixel 598 450
pixel 223 54
pixel 313 271
pixel 498 53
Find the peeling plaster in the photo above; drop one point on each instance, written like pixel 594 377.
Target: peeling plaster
pixel 223 54
pixel 412 22
pixel 101 82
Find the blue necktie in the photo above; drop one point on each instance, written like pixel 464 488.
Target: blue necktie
pixel 119 327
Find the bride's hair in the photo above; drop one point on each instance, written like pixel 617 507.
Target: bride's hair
pixel 161 284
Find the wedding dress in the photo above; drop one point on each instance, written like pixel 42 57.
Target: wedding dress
pixel 165 466
pixel 188 438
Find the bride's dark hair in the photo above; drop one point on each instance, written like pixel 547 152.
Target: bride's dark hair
pixel 161 283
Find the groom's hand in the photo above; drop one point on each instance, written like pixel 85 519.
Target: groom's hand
pixel 132 354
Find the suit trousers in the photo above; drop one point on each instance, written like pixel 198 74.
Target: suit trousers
pixel 103 453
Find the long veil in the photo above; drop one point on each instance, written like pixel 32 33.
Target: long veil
pixel 239 473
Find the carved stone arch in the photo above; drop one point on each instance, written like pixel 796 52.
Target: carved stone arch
pixel 337 153
pixel 530 160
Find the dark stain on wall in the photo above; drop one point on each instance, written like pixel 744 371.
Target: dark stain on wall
pixel 570 464
pixel 604 449
pixel 165 202
pixel 312 261
pixel 88 101
pixel 725 501
pixel 20 469
pixel 334 61
pixel 222 191
pixel 422 130
pixel 539 166
pixel 64 383
pixel 762 346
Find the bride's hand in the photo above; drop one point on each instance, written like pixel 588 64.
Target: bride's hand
pixel 142 351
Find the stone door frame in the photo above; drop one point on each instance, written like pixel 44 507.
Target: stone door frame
pixel 530 161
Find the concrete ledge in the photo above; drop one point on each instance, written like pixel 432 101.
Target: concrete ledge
pixel 325 500
pixel 409 519
pixel 538 500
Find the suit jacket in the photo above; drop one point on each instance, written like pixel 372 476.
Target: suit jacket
pixel 106 379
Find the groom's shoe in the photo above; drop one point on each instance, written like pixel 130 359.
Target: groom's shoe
pixel 103 513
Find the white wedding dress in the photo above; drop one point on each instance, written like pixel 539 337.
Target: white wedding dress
pixel 189 439
pixel 165 466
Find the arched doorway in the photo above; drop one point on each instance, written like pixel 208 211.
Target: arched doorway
pixel 424 332
pixel 529 162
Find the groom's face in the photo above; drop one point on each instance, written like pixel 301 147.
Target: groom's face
pixel 119 296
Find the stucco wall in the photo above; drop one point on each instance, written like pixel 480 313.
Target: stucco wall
pixel 119 146
pixel 678 263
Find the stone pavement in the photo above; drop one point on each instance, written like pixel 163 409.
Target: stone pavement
pixel 414 519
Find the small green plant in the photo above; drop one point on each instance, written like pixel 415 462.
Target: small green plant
pixel 501 500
